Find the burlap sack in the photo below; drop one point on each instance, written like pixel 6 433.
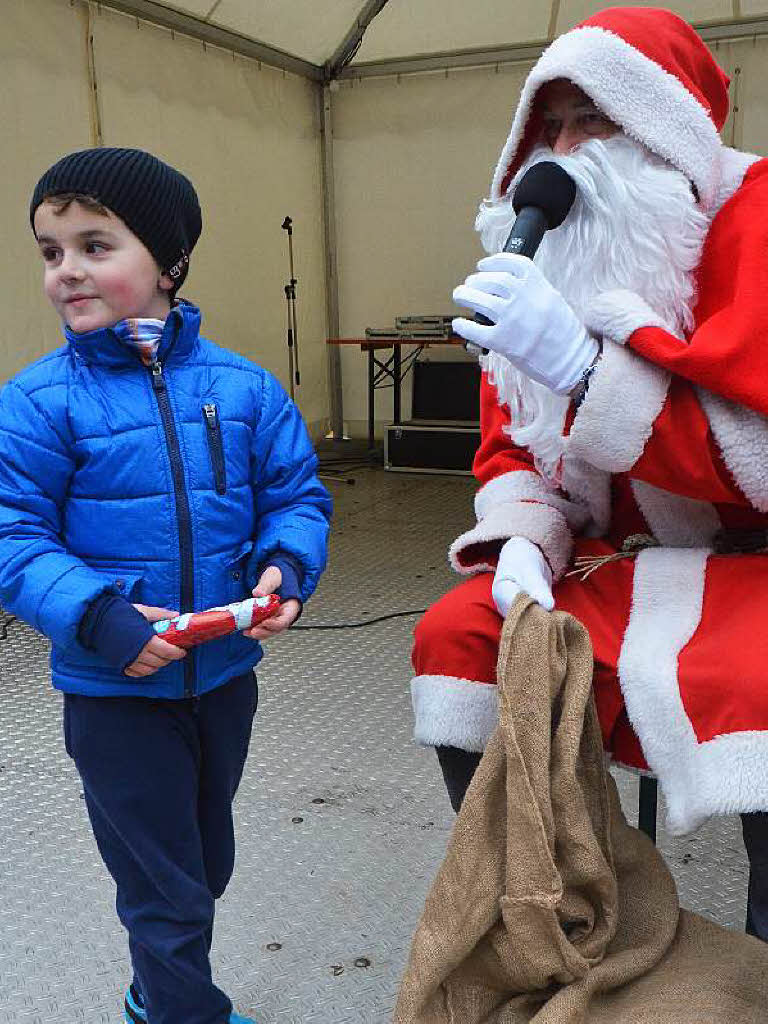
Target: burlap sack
pixel 548 906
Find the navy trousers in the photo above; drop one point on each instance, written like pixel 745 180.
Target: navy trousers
pixel 159 777
pixel 459 766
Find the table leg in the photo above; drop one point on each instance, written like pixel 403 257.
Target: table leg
pixel 396 382
pixel 371 398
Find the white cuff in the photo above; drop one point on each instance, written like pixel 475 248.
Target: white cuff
pixel 525 485
pixel 618 314
pixel 615 419
pixel 452 712
pixel 539 523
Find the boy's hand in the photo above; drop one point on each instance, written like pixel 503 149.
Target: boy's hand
pixel 270 580
pixel 157 652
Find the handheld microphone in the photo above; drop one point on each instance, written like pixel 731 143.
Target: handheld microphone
pixel 542 200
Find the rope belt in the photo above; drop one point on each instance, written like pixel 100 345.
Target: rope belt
pixel 725 542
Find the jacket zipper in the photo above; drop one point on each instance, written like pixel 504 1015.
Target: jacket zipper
pixel 215 447
pixel 183 517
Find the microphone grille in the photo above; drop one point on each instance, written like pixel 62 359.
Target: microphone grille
pixel 547 186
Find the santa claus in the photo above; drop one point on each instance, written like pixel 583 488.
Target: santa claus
pixel 623 466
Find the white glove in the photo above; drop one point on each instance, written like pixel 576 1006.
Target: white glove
pixel 522 567
pixel 533 326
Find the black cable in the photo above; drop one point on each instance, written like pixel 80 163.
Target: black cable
pixel 335 625
pixel 330 460
pixel 4 624
pixel 365 622
pixel 344 464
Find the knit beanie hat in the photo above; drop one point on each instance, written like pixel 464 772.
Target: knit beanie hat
pixel 157 202
pixel 650 73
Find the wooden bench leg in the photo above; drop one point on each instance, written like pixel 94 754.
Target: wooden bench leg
pixel 646 808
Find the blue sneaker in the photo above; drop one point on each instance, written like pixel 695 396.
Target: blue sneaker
pixel 136 1014
pixel 134 1007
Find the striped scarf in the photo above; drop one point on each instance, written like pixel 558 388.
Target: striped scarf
pixel 143 334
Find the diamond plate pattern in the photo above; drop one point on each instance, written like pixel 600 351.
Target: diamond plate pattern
pixel 342 821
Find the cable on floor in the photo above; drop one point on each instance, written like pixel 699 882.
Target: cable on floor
pixel 365 622
pixel 5 622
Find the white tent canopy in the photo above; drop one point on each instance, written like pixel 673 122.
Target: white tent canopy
pixel 352 38
pixel 330 111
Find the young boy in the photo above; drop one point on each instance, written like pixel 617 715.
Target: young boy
pixel 142 466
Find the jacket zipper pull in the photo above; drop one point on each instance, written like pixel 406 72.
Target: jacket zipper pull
pixel 158 383
pixel 210 414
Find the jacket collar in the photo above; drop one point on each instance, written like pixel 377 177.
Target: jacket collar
pixel 105 348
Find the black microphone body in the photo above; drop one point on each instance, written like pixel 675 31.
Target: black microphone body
pixel 527 232
pixel 542 200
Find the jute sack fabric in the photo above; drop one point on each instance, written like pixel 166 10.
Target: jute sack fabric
pixel 548 906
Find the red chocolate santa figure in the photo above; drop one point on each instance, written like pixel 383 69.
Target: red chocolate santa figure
pixel 623 412
pixel 195 628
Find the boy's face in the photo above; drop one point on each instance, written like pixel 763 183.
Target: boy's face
pixel 97 271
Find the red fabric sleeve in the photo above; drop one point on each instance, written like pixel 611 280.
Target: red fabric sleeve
pixel 681 455
pixel 728 350
pixel 512 500
pixel 497 453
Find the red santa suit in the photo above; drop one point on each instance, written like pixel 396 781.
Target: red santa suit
pixel 670 442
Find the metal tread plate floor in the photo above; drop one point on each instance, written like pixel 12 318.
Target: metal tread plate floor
pixel 342 820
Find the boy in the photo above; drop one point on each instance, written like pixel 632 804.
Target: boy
pixel 141 466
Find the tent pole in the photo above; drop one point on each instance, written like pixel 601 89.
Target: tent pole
pixel 350 44
pixel 331 275
pixel 94 101
pixel 342 55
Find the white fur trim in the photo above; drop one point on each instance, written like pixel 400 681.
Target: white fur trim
pixel 674 520
pixel 615 420
pixel 734 165
pixel 454 712
pixel 725 775
pixel 522 485
pixel 591 486
pixel 731 775
pixel 742 436
pixel 541 524
pixel 648 102
pixel 667 600
pixel 618 314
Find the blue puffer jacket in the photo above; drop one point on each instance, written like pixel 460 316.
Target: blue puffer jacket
pixel 171 487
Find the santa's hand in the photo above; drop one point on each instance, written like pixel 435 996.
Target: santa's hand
pixel 533 326
pixel 522 568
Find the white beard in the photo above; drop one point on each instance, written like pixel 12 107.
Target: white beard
pixel 634 225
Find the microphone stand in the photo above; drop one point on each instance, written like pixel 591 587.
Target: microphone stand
pixel 292 333
pixel 290 301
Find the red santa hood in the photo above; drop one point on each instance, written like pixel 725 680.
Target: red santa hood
pixel 648 71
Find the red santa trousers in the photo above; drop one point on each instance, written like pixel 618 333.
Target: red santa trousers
pixel 693 666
